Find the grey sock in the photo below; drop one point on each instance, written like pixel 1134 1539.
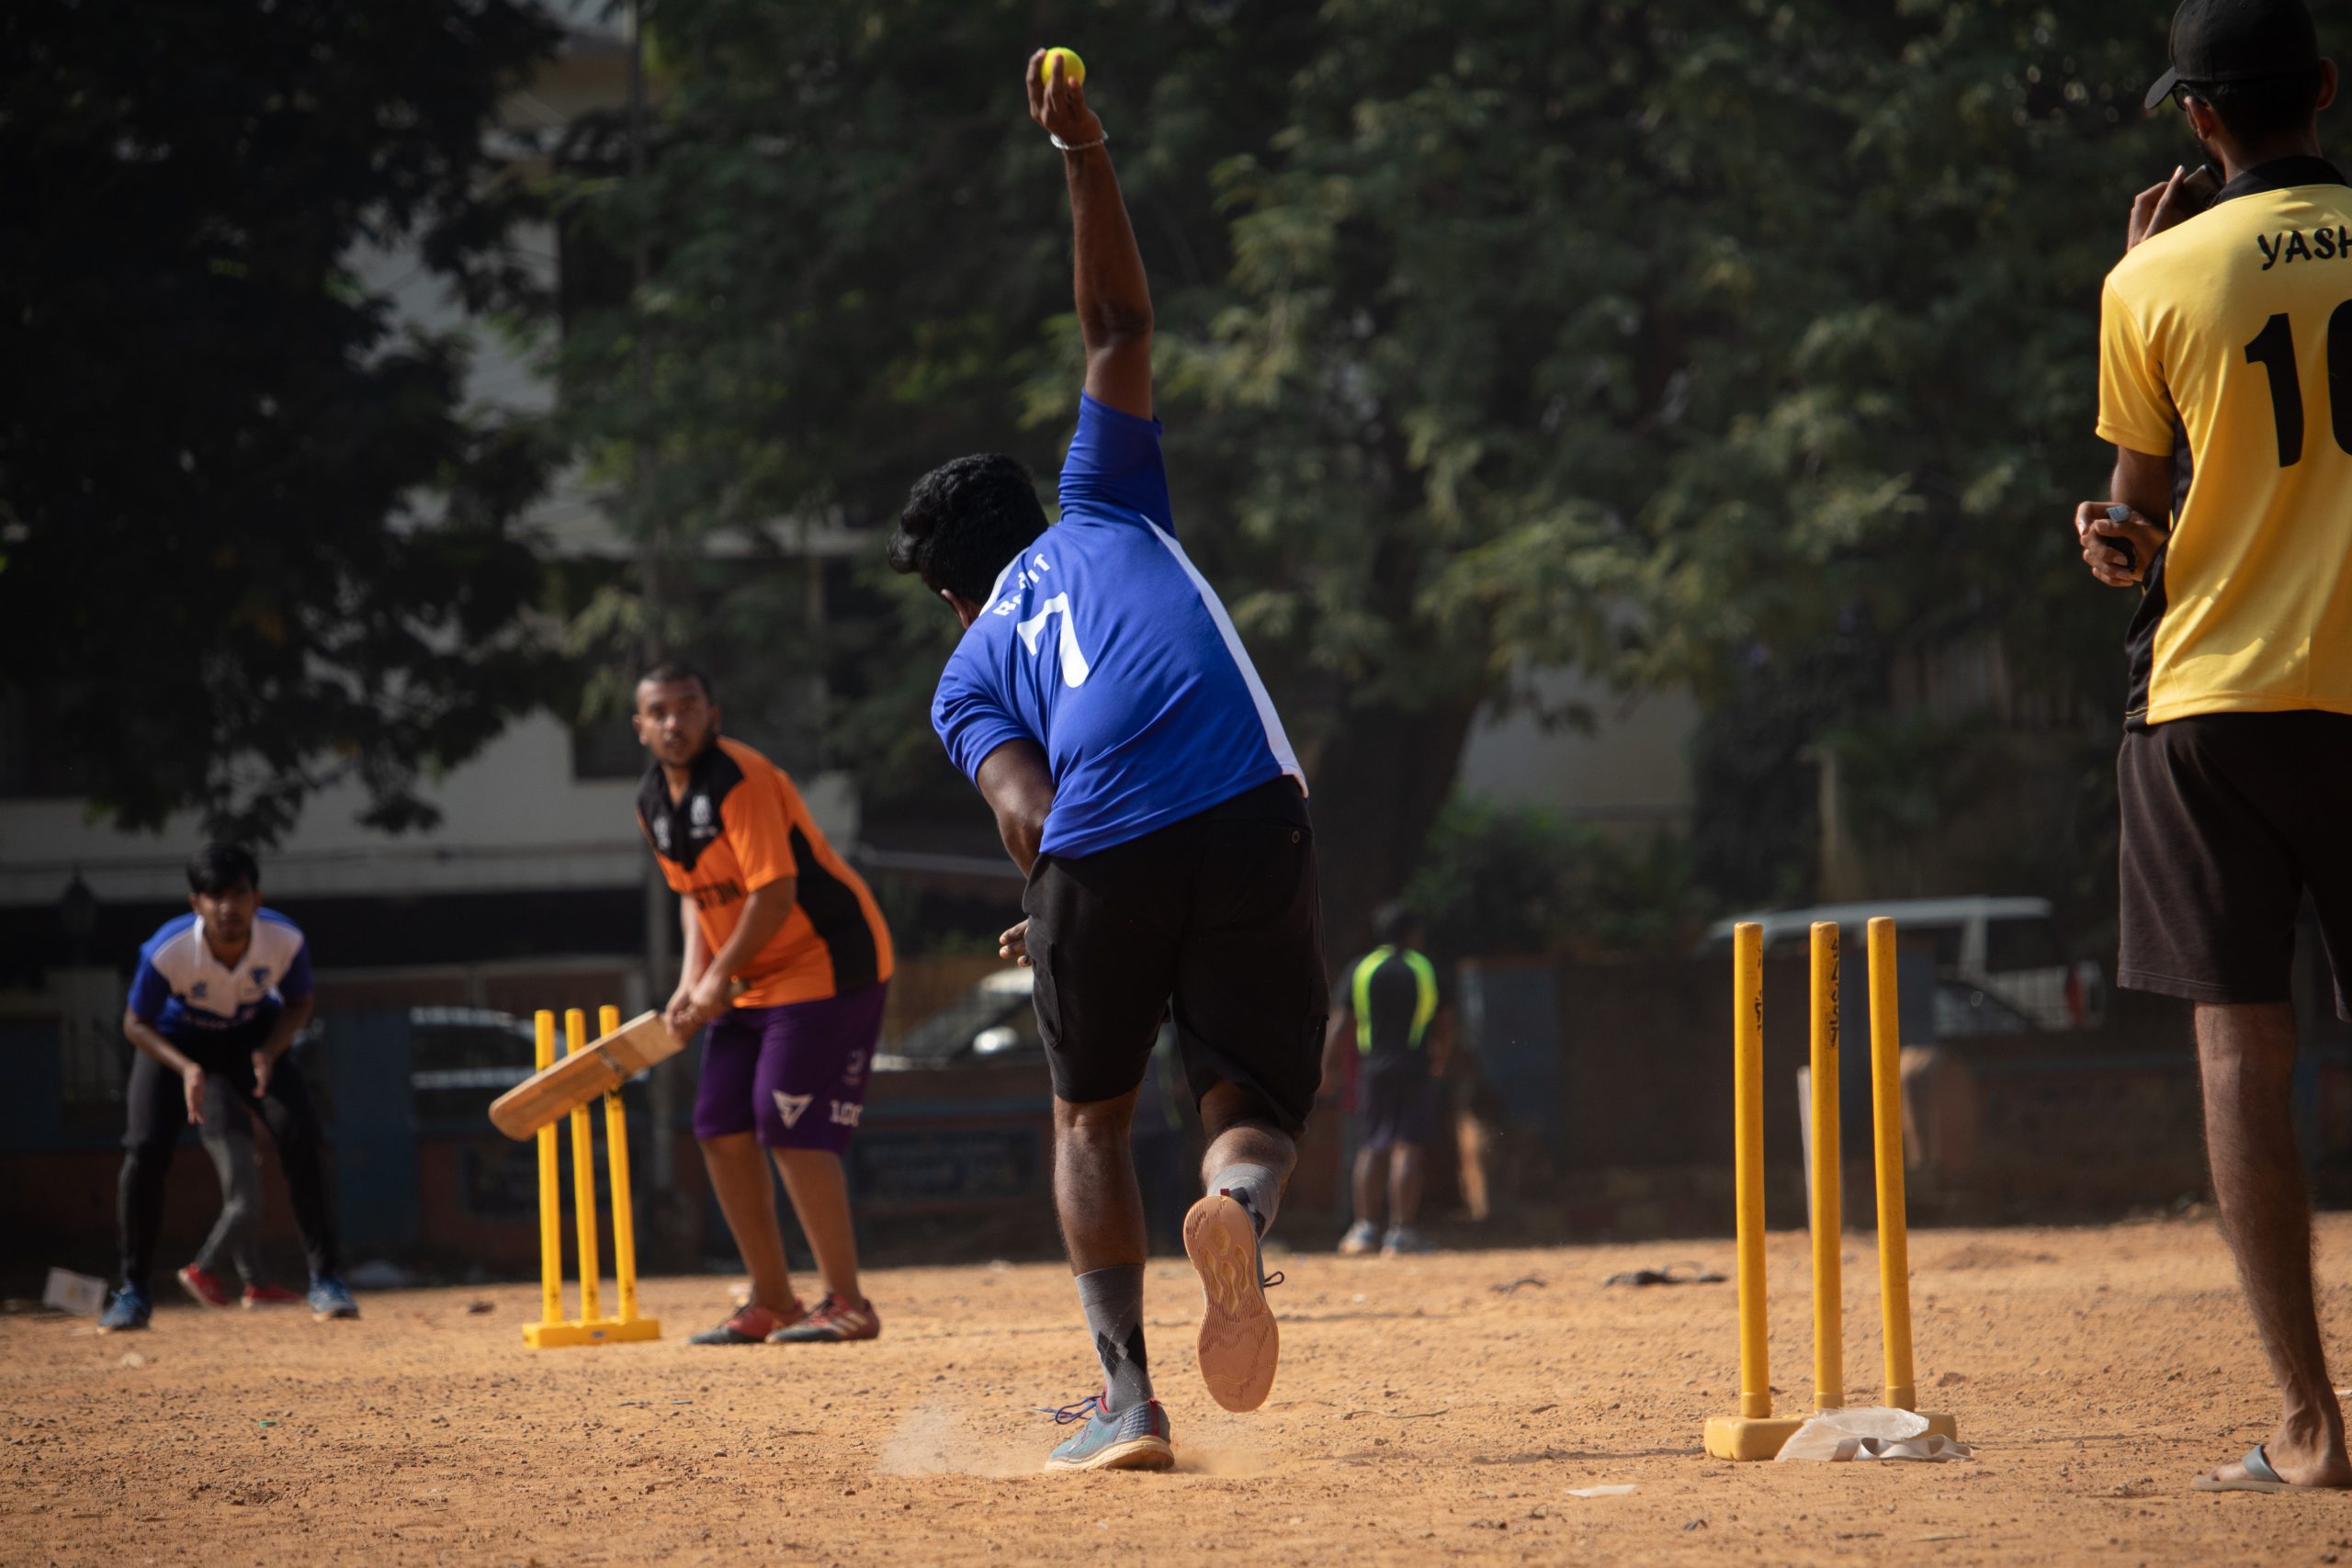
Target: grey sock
pixel 1112 1298
pixel 1255 1187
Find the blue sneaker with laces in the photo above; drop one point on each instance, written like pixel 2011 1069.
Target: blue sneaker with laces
pixel 1133 1439
pixel 330 1298
pixel 128 1309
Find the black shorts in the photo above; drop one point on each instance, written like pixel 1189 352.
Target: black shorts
pixel 1218 914
pixel 2228 821
pixel 1400 1104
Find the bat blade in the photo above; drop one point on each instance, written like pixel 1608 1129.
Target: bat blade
pixel 603 1065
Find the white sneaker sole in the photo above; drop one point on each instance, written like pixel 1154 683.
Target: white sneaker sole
pixel 1240 1342
pixel 1136 1453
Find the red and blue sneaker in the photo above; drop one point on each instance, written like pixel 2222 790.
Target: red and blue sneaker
pixel 1133 1439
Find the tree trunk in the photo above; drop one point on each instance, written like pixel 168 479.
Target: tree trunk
pixel 1378 784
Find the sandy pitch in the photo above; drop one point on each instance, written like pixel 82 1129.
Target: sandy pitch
pixel 1423 1412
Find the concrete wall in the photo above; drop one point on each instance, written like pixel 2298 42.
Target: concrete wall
pixel 1634 766
pixel 514 820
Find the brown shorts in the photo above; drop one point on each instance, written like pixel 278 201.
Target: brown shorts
pixel 2228 821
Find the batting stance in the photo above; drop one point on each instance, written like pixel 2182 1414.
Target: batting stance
pixel 1102 703
pixel 764 900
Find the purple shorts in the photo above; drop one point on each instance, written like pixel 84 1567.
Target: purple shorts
pixel 796 1075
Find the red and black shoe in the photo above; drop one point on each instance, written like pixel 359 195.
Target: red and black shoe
pixel 268 1295
pixel 752 1325
pixel 206 1289
pixel 832 1321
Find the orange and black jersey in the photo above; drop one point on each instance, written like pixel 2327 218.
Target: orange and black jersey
pixel 739 826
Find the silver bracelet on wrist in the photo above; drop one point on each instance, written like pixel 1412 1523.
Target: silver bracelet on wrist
pixel 1078 146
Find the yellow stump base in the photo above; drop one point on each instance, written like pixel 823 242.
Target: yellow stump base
pixel 1756 1438
pixel 1749 1436
pixel 603 1331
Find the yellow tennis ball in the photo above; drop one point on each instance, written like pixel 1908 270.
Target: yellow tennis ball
pixel 1073 68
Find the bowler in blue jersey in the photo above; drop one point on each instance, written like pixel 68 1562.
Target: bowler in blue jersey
pixel 1105 707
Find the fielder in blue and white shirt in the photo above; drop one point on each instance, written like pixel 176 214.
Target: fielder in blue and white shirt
pixel 218 997
pixel 1105 706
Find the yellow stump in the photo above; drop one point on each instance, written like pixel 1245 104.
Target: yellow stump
pixel 1828 1218
pixel 1894 1215
pixel 1748 1152
pixel 550 1193
pixel 1753 1433
pixel 1886 1121
pixel 608 1019
pixel 590 1327
pixel 583 1177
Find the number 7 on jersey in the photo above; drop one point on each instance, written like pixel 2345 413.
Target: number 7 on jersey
pixel 1075 669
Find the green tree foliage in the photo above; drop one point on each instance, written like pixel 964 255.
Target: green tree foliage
pixel 860 268
pixel 1745 346
pixel 1495 881
pixel 251 540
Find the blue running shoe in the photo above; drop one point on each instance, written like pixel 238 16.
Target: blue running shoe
pixel 128 1309
pixel 1133 1439
pixel 330 1298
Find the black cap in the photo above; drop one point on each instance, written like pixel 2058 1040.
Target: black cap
pixel 2237 40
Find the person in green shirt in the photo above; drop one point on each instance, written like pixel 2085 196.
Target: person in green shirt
pixel 1390 1007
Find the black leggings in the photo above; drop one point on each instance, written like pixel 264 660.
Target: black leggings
pixel 158 1114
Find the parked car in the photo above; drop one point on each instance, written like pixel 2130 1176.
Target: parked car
pixel 2009 949
pixel 1967 1011
pixel 994 1019
pixel 466 1057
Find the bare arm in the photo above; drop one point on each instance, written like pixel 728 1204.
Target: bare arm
pixel 1441 1042
pixel 150 1039
pixel 693 956
pixel 289 1023
pixel 1019 787
pixel 1112 295
pixel 1338 1036
pixel 2142 481
pixel 764 912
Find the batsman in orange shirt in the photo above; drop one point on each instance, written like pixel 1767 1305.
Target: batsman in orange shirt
pixel 766 900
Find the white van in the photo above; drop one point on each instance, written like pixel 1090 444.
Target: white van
pixel 2008 949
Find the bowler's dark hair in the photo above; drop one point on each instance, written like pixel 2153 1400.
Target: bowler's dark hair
pixel 2261 108
pixel 964 520
pixel 217 868
pixel 1395 923
pixel 669 671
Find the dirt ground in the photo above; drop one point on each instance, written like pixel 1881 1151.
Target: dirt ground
pixel 1435 1407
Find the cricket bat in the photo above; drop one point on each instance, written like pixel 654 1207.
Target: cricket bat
pixel 604 1064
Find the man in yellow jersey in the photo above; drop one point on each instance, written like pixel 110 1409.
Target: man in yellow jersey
pixel 766 901
pixel 2225 384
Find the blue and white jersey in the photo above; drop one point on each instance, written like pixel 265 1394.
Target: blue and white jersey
pixel 1104 645
pixel 185 991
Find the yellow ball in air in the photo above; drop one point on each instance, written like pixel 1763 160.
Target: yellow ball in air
pixel 1073 68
